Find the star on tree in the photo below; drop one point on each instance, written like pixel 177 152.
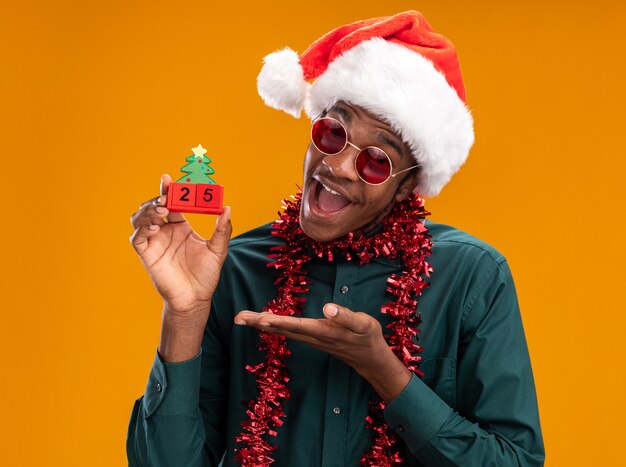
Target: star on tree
pixel 199 150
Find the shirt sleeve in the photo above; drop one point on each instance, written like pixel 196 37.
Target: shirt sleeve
pixel 495 420
pixel 180 419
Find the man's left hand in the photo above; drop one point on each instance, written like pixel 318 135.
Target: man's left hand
pixel 354 337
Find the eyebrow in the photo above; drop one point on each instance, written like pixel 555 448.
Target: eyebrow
pixel 390 142
pixel 347 117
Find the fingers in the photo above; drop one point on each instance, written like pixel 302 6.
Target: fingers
pixel 283 323
pixel 310 331
pixel 361 323
pixel 163 188
pixel 290 326
pixel 147 223
pixel 218 243
pixel 158 201
pixel 165 183
pixel 336 317
pixel 152 212
pixel 139 238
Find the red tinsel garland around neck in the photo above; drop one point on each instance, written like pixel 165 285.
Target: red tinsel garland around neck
pixel 403 236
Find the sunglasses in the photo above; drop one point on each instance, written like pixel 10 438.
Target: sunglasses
pixel 372 164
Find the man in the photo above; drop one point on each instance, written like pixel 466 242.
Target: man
pixel 316 360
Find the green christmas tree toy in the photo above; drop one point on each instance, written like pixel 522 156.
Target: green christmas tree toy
pixel 196 191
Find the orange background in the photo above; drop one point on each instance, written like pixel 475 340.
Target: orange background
pixel 99 98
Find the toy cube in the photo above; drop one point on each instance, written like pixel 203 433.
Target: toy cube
pixel 181 196
pixel 195 198
pixel 210 197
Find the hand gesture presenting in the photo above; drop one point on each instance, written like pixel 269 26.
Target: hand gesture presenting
pixel 354 337
pixel 184 268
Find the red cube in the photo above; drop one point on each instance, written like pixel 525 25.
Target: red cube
pixel 210 197
pixel 181 195
pixel 196 198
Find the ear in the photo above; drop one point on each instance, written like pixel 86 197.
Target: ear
pixel 407 185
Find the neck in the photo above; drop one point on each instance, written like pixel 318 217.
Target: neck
pixel 374 222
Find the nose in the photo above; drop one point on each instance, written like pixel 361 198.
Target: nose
pixel 342 165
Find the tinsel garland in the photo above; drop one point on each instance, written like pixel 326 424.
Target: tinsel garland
pixel 404 236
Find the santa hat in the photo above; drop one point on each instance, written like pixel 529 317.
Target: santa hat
pixel 395 67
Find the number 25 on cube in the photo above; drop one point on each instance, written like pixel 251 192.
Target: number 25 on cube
pixel 196 191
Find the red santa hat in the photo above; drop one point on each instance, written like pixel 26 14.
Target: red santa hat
pixel 395 67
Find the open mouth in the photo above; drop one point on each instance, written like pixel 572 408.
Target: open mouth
pixel 327 201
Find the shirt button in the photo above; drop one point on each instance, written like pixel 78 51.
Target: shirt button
pixel 344 289
pixel 158 387
pixel 336 410
pixel 401 428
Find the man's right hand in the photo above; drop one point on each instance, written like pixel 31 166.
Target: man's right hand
pixel 183 266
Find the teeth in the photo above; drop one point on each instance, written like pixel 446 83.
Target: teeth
pixel 332 191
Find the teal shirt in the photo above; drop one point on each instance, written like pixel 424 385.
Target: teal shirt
pixel 475 405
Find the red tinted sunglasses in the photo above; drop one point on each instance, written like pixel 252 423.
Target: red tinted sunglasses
pixel 372 164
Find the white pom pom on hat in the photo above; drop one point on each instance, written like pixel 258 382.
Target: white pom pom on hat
pixel 281 83
pixel 397 68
